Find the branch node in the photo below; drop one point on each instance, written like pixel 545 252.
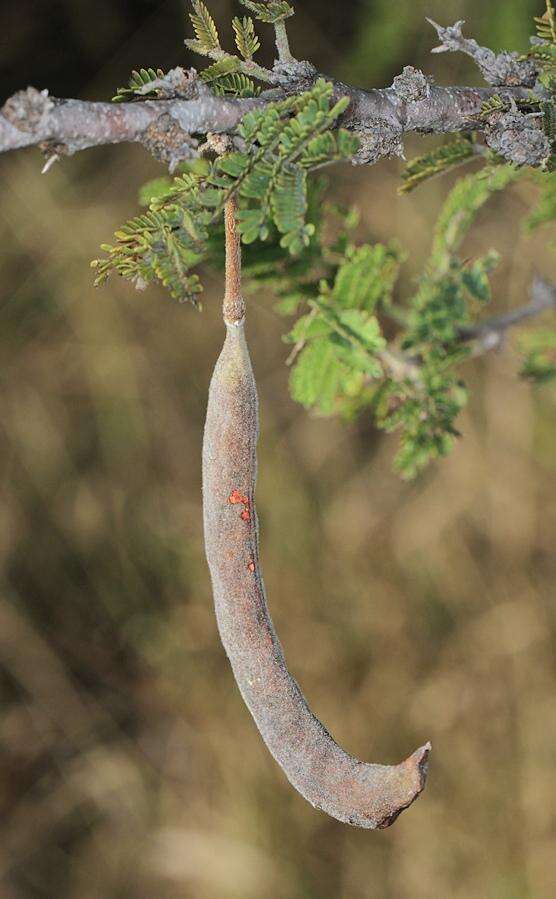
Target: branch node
pixel 169 143
pixel 216 144
pixel 412 85
pixel 377 140
pixel 27 110
pixel 178 82
pixel 294 73
pixel 519 139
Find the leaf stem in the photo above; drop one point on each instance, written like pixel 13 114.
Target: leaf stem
pixel 282 42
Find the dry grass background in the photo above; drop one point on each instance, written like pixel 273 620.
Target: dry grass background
pixel 129 766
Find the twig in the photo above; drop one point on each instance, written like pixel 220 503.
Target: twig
pixel 485 336
pixel 282 42
pixel 496 68
pixel 490 335
pixel 31 118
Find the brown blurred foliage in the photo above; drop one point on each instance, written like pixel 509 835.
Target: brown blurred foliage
pixel 129 765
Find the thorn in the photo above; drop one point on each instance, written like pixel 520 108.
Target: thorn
pixel 49 163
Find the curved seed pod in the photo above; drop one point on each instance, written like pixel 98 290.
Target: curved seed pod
pixel 350 790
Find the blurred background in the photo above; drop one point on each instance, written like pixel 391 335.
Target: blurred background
pixel 129 767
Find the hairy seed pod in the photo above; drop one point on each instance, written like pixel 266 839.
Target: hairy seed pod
pixel 366 795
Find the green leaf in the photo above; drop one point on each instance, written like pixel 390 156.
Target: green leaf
pixel 546 24
pixel 153 247
pixel 227 66
pixel 247 41
pixel 233 164
pixel 475 277
pixel 545 211
pixel 137 83
pixel 269 11
pixel 437 162
pixel 539 355
pixel 315 379
pixel 235 84
pixel 205 29
pixel 307 328
pixel 289 200
pixel 155 189
pixel 251 225
pixel 461 207
pixel 367 276
pixel 358 340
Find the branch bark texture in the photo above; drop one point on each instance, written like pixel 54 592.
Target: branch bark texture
pixel 32 118
pixel 167 126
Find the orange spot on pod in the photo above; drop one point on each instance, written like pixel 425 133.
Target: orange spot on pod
pixel 245 515
pixel 236 497
pixel 251 567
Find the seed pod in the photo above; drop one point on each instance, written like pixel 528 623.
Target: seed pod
pixel 366 795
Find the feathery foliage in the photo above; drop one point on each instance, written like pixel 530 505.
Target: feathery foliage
pixel 158 245
pixel 269 11
pixel 343 363
pixel 135 89
pixel 206 31
pixel 286 140
pixel 222 76
pixel 543 50
pixel 461 207
pixel 247 41
pixel 546 24
pixel 341 293
pixel 235 84
pixel 437 162
pixel 544 212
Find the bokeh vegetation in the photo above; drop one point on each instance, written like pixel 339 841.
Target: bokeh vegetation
pixel 130 767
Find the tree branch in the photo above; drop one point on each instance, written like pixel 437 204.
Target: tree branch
pixel 32 118
pixel 186 107
pixel 490 335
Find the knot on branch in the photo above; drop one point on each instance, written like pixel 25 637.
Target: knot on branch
pixel 518 138
pixel 499 69
pixel 298 73
pixel 412 85
pixel 27 110
pixel 168 142
pixel 177 83
pixel 216 144
pixel 376 141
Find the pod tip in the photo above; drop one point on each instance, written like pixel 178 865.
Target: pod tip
pixel 416 768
